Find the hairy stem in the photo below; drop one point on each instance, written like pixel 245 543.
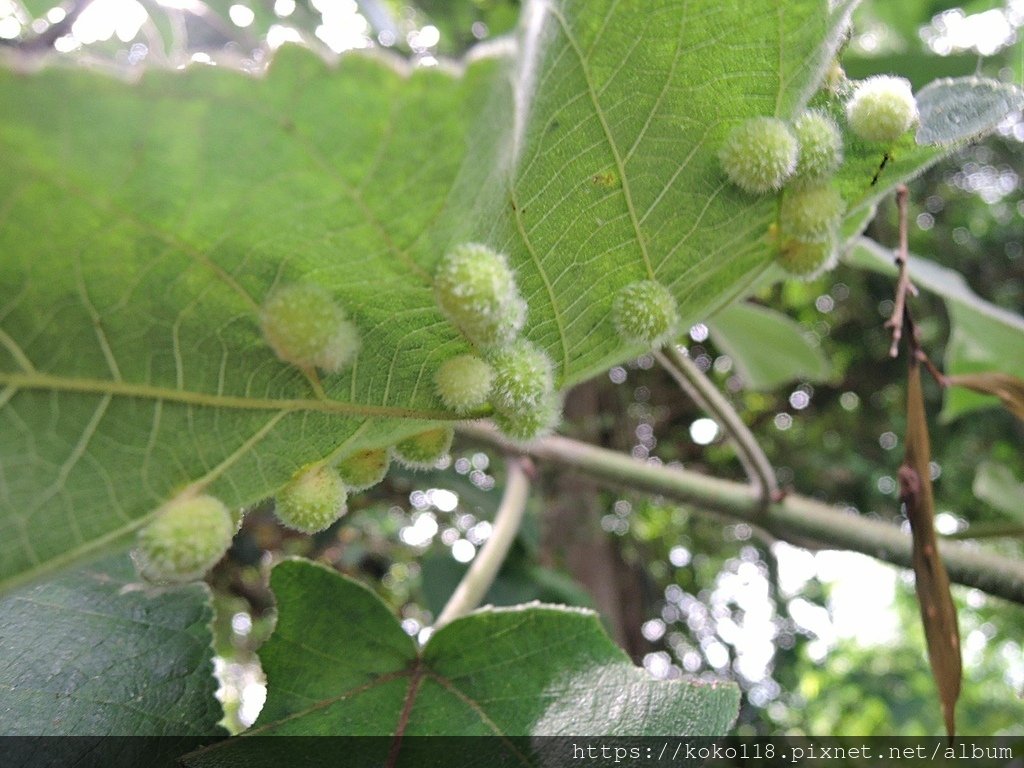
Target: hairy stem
pixel 481 573
pixel 700 389
pixel 796 519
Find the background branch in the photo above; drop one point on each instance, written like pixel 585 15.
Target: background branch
pixel 796 519
pixel 704 393
pixel 478 579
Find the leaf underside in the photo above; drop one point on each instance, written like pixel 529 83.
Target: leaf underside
pixel 142 225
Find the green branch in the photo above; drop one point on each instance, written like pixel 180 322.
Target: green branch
pixel 796 519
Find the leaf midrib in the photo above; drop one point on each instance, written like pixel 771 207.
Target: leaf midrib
pixel 110 387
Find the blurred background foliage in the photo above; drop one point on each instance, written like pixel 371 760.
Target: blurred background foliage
pixel 821 643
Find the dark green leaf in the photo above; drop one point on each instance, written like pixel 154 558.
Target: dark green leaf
pixel 527 671
pixel 94 653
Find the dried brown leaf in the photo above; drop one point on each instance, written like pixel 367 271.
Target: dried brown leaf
pixel 938 613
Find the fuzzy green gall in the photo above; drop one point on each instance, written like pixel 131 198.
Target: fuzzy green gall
pixel 464 382
pixel 807 260
pixel 476 290
pixel 645 313
pixel 882 108
pixel 312 500
pixel 523 377
pixel 184 540
pixel 759 155
pixel 305 326
pixel 424 450
pixel 364 469
pixel 812 212
pixel 531 423
pixel 821 145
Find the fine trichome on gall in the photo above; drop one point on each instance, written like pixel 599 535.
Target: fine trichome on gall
pixel 464 382
pixel 424 450
pixel 812 212
pixel 364 469
pixel 305 326
pixel 759 155
pixel 525 402
pixel 882 109
pixel 645 313
pixel 476 289
pixel 522 377
pixel 821 145
pixel 184 540
pixel 312 500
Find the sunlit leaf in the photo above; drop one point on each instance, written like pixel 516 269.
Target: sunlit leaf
pixel 958 109
pixel 938 613
pixel 995 485
pixel 767 347
pixel 143 225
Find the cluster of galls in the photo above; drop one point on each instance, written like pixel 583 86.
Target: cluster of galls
pixel 189 534
pixel 765 155
pixel 306 327
pixel 476 289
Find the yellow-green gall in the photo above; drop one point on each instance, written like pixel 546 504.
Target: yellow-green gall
pixel 305 326
pixel 464 382
pixel 821 145
pixel 523 378
pixel 312 500
pixel 531 423
pixel 476 289
pixel 184 540
pixel 811 212
pixel 807 260
pixel 882 108
pixel 364 469
pixel 424 450
pixel 645 313
pixel 759 155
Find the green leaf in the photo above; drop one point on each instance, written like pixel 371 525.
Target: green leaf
pixel 984 337
pixel 131 362
pixel 144 224
pixel 995 485
pixel 527 671
pixel 959 109
pixel 768 348
pixel 93 653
